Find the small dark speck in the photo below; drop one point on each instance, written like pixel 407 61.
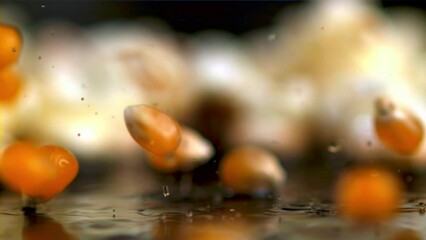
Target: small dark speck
pixel 113 216
pixel 113 116
pixel 82 99
pixel 39 57
pixel 113 210
pixel 96 113
pixel 53 66
pixel 322 28
pixel 369 143
pixel 52 33
pixel 79 134
pixel 13 49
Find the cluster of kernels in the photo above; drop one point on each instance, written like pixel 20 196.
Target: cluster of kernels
pixel 10 48
pixel 398 129
pixel 192 151
pixel 368 194
pixel 152 129
pixel 251 170
pixel 37 172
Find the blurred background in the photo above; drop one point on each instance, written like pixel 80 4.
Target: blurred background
pixel 296 77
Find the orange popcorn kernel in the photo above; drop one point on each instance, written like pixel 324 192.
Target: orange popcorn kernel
pixel 10 85
pixel 37 173
pixel 10 45
pixel 397 128
pixel 368 194
pixel 152 129
pixel 65 165
pixel 251 170
pixel 193 150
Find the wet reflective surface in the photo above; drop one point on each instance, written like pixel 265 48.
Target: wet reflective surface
pixel 97 216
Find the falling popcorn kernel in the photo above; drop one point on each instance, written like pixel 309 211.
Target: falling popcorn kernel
pixel 368 194
pixel 37 173
pixel 153 130
pixel 10 45
pixel 193 150
pixel 251 170
pixel 397 128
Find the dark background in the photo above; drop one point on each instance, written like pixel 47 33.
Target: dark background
pixel 183 16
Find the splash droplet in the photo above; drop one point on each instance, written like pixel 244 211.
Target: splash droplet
pixel 166 191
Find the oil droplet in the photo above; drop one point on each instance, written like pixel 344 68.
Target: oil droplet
pixel 166 191
pixel 334 148
pixel 189 213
